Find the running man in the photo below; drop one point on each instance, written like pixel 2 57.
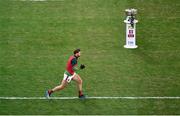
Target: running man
pixel 70 74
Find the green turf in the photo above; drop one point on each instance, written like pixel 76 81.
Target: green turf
pixel 36 39
pixel 92 107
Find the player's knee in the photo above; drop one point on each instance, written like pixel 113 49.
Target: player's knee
pixel 62 87
pixel 80 81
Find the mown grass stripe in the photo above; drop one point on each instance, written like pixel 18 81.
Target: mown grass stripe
pixel 66 98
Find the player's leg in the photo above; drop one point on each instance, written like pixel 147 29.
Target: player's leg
pixel 79 82
pixel 63 84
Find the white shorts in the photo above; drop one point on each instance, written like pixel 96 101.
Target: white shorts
pixel 68 78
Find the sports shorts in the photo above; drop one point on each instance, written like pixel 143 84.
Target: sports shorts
pixel 68 78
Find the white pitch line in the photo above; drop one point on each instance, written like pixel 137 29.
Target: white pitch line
pixel 40 0
pixel 69 98
pixel 34 0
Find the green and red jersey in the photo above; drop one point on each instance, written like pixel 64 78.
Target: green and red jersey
pixel 71 65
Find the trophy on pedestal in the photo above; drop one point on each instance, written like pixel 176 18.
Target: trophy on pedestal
pixel 130 28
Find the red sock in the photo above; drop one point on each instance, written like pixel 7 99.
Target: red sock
pixel 50 91
pixel 80 93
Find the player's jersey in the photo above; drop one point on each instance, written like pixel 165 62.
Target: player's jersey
pixel 70 64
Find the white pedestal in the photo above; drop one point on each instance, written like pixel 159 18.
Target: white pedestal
pixel 132 47
pixel 130 34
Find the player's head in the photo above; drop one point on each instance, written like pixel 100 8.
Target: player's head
pixel 77 53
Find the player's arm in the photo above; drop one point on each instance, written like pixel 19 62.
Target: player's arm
pixel 75 66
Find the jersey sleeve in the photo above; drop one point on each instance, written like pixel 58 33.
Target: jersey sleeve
pixel 73 62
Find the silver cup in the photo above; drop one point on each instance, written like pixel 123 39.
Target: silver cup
pixel 131 12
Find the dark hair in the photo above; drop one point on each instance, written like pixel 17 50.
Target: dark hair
pixel 77 51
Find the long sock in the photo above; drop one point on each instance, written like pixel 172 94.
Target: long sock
pixel 80 93
pixel 50 92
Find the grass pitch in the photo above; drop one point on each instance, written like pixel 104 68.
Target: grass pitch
pixel 37 37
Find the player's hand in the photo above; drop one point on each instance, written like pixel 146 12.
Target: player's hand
pixel 82 66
